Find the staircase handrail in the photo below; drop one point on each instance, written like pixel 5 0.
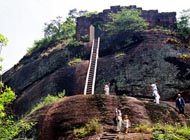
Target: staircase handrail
pixel 86 83
pixel 95 68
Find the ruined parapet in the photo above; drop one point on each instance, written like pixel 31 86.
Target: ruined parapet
pixel 153 17
pixel 165 19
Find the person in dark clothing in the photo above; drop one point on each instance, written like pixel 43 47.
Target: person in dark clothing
pixel 180 103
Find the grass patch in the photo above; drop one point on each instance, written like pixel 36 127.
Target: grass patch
pixel 170 132
pixel 74 61
pixel 47 100
pixel 91 128
pixel 119 54
pixel 143 128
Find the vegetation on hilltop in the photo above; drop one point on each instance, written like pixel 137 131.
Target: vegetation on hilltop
pixel 54 32
pixel 126 26
pixel 60 30
pixel 126 21
pixel 183 26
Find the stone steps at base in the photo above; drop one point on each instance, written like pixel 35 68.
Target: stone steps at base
pixel 108 136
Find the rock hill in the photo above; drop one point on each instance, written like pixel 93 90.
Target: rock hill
pixel 58 120
pixel 156 54
pixel 131 70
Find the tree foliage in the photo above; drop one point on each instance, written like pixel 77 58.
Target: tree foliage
pixel 3 40
pixel 74 13
pixel 9 128
pixel 183 25
pixel 65 29
pixel 126 21
pixel 60 29
pixel 54 32
pixel 125 27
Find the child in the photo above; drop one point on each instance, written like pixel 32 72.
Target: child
pixel 126 123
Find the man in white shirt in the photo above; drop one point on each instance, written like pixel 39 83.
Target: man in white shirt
pixel 155 92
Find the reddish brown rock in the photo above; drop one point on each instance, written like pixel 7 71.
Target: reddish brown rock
pixel 58 120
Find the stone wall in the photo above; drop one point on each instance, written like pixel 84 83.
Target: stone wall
pixel 165 19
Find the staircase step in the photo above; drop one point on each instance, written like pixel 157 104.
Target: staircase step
pixel 108 136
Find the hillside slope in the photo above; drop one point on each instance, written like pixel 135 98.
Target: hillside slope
pixel 58 120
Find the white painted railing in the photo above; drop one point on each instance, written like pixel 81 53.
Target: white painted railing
pixel 86 83
pixel 95 68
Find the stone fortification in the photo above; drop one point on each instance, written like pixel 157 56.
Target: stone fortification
pixel 153 17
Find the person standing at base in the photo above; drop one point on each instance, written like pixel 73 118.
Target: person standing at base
pixel 180 104
pixel 107 89
pixel 155 92
pixel 118 119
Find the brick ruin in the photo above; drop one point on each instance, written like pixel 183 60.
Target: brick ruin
pixel 86 26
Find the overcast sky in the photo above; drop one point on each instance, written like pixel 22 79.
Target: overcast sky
pixel 22 21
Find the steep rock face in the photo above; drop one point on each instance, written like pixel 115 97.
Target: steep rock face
pixel 45 71
pixel 34 67
pixel 131 70
pixel 134 68
pixel 61 79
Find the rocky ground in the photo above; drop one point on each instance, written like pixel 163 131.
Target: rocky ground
pixel 57 121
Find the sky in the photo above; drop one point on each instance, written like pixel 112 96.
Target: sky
pixel 22 21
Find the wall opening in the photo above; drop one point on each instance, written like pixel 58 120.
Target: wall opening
pixel 92 33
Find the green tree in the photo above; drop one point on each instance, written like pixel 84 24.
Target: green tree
pixel 3 41
pixel 68 28
pixel 7 125
pixel 9 128
pixel 65 29
pixel 74 13
pixel 126 21
pixel 125 27
pixel 60 30
pixel 6 97
pixel 53 28
pixel 54 32
pixel 183 25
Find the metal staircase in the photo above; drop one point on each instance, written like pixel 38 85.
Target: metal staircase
pixel 91 74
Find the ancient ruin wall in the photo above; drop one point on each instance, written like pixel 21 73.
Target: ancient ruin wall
pixel 164 19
